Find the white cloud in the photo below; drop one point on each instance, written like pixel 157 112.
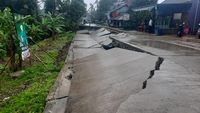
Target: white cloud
pixel 160 1
pixel 41 4
pixel 88 2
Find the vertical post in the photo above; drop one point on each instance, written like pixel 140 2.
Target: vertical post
pixel 196 14
pixel 54 7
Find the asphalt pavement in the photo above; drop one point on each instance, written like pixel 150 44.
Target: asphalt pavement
pixel 125 81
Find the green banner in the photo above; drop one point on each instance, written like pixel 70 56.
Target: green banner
pixel 21 34
pixel 21 31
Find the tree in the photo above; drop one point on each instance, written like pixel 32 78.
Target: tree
pixel 50 6
pixel 52 23
pixel 71 10
pixel 56 6
pixel 64 6
pixel 77 10
pixel 140 3
pixel 102 8
pixel 24 7
pixel 8 37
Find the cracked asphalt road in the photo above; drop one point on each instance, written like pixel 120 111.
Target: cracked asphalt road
pixel 112 81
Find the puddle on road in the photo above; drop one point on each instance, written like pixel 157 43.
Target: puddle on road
pixel 166 46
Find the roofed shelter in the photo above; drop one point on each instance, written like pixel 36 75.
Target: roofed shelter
pixel 170 13
pixel 118 15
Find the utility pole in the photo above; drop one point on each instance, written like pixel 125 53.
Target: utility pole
pixel 196 14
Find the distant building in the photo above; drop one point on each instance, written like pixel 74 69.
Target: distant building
pixel 168 14
pixel 194 15
pixel 118 16
pixel 86 19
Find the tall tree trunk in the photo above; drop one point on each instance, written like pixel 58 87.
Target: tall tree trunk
pixel 11 53
pixel 20 61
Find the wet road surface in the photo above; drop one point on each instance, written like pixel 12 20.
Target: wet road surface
pixel 187 57
pixel 113 81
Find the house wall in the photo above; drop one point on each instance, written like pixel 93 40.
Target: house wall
pixel 122 11
pixel 194 17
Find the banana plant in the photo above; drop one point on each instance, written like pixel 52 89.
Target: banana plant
pixel 8 38
pixel 54 24
pixel 7 34
pixel 36 32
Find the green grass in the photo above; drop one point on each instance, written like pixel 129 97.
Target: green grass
pixel 28 92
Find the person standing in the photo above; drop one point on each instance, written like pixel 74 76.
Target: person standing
pixel 150 26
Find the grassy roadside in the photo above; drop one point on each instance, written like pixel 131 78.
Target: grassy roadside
pixel 27 93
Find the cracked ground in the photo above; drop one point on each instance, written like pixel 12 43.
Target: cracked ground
pixel 124 81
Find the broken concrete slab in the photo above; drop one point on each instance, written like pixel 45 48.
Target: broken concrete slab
pixel 56 106
pixel 128 46
pixel 83 32
pixel 87 44
pixel 103 80
pixel 103 33
pixel 100 30
pixel 124 37
pixel 87 52
pixel 174 89
pixel 190 62
pixel 102 40
pixel 111 81
pixel 84 41
pixel 95 32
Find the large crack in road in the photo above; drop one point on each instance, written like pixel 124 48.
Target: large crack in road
pixel 152 72
pixel 124 81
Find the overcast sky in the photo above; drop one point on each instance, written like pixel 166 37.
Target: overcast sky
pixel 88 2
pixel 92 1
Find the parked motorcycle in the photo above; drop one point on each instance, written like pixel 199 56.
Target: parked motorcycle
pixel 198 32
pixel 180 30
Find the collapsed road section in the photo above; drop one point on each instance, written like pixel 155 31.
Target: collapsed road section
pixel 127 78
pixel 105 79
pixel 125 81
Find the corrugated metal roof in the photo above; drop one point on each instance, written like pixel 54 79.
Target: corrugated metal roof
pixel 146 8
pixel 174 1
pixel 119 7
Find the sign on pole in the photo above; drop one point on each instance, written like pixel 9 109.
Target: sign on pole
pixel 21 34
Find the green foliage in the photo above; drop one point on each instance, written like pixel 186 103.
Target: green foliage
pixel 49 26
pixel 140 16
pixel 103 7
pixel 64 7
pixel 7 24
pixel 2 51
pixel 76 10
pixel 8 38
pixel 53 23
pixel 28 92
pixel 50 6
pixel 64 15
pixel 7 32
pixel 24 7
pixel 36 32
pixel 71 10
